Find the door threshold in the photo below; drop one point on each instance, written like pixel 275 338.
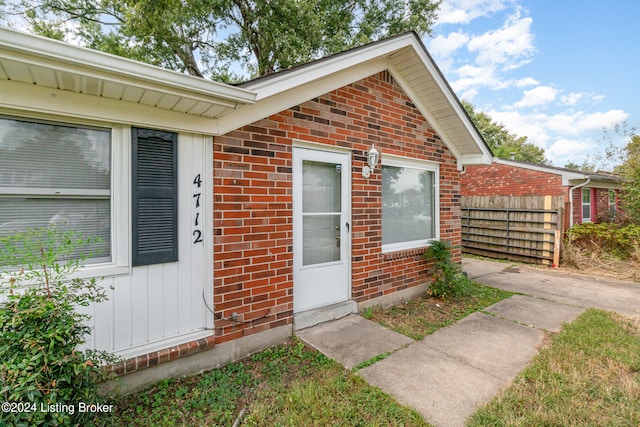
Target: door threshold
pixel 306 319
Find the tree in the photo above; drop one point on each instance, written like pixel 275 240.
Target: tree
pixel 502 143
pixel 585 166
pixel 208 37
pixel 621 154
pixel 630 170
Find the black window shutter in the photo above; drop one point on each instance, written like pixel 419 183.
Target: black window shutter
pixel 155 196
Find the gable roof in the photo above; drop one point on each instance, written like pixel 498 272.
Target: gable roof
pixel 569 176
pixel 408 61
pixel 75 73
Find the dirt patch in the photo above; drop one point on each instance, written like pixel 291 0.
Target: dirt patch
pixel 419 317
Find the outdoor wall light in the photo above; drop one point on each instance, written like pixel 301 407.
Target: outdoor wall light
pixel 372 160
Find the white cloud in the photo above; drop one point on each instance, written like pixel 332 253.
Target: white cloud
pixel 537 96
pixel 507 45
pixel 574 97
pixel 445 45
pixel 564 136
pixel 529 125
pixel 527 81
pixel 564 150
pixel 465 11
pixel 496 52
pixel 576 123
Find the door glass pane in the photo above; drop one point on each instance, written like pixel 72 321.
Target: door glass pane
pixel 321 239
pixel 321 207
pixel 320 187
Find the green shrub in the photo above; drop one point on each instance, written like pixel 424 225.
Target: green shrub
pixel 621 242
pixel 42 371
pixel 448 279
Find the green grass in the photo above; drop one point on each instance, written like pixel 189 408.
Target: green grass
pixel 588 376
pixel 419 317
pixel 284 385
pixel 333 397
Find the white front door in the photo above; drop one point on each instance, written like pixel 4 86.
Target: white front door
pixel 321 223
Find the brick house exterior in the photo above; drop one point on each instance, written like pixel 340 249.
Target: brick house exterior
pixel 270 202
pixel 253 215
pixel 588 196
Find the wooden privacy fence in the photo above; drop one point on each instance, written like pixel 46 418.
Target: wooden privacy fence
pixel 526 228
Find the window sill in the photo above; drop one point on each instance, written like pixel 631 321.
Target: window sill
pixel 403 254
pixel 101 270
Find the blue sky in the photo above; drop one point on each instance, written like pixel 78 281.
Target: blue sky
pixel 554 71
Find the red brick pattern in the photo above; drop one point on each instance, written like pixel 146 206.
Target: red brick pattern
pixel 601 204
pixel 253 268
pixel 507 180
pixel 156 358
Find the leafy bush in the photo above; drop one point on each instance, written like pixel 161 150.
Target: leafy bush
pixel 448 279
pixel 41 367
pixel 621 242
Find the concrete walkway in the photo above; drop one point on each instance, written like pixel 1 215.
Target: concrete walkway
pixel 448 375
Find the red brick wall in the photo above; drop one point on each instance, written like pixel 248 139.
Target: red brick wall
pixel 253 259
pixel 506 180
pixel 602 204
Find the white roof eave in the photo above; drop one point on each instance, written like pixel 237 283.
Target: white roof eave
pixel 81 62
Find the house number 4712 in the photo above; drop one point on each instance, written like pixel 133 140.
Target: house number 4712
pixel 197 232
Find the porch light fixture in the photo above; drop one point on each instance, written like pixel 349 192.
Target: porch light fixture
pixel 372 160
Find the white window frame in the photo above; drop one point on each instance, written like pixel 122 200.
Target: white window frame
pixel 424 165
pixel 119 192
pixel 583 204
pixel 613 198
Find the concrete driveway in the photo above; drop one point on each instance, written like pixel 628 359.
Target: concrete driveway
pixel 557 285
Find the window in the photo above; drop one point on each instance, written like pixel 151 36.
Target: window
pixel 586 204
pixel 155 197
pixel 56 174
pixel 409 200
pixel 613 209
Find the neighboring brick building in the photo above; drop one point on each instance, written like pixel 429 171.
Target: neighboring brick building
pixel 234 214
pixel 588 196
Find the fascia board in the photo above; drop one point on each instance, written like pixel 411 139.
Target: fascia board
pixel 484 156
pixel 476 159
pixel 450 96
pixel 596 182
pixel 46 103
pixel 55 54
pixel 305 74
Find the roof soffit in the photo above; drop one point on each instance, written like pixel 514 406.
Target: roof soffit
pixel 49 63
